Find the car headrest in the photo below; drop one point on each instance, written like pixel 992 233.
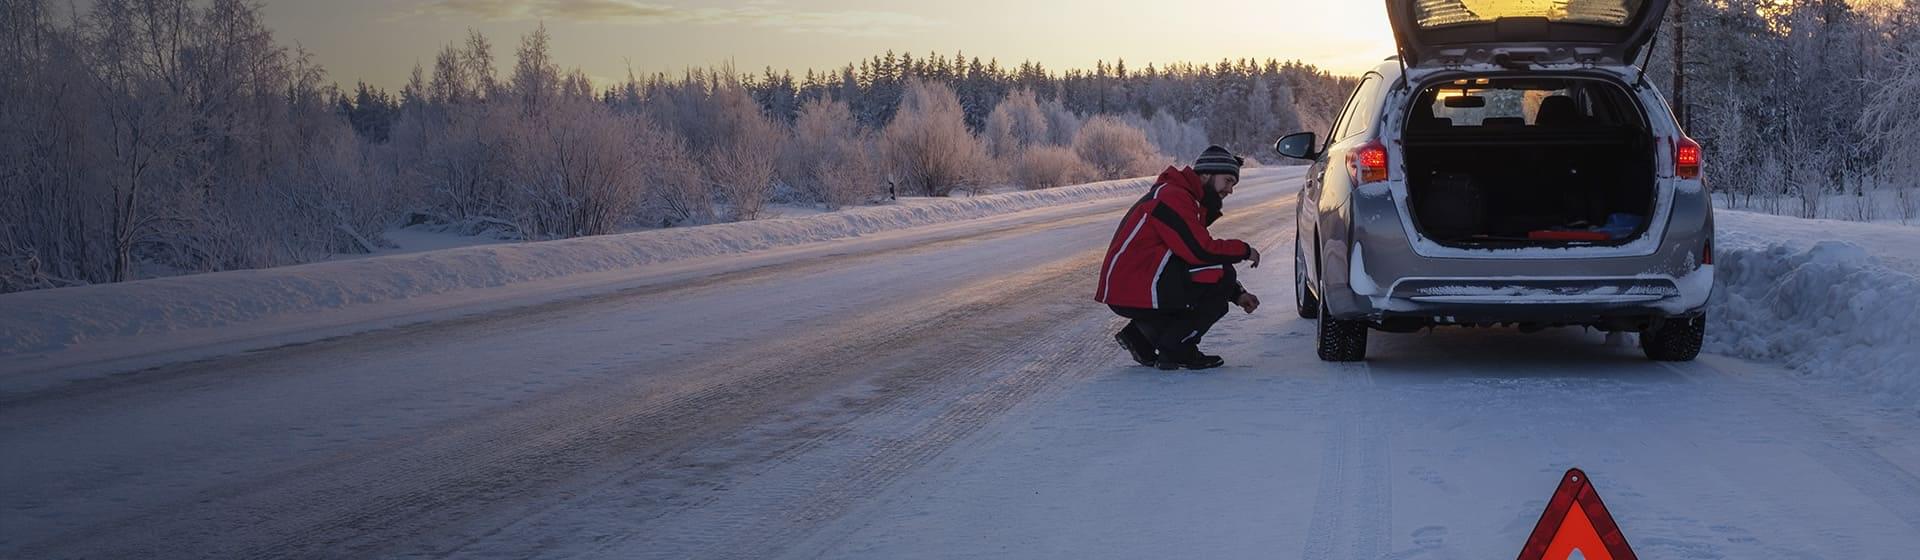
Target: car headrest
pixel 1558 110
pixel 1423 118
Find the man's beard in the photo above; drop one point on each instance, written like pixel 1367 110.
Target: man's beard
pixel 1213 202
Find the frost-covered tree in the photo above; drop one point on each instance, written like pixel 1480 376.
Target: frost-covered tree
pixel 1016 124
pixel 1115 149
pixel 735 143
pixel 831 159
pixel 580 168
pixel 1891 121
pixel 927 145
pixel 536 77
pixel 1784 77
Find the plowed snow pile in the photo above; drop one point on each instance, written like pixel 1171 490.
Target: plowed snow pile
pixel 1827 298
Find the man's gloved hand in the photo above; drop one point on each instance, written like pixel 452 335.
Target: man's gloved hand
pixel 1247 301
pixel 1253 256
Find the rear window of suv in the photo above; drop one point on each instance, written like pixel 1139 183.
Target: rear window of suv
pixel 1441 13
pixel 1491 103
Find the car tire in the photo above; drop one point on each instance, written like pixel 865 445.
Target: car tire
pixel 1675 340
pixel 1303 300
pixel 1340 340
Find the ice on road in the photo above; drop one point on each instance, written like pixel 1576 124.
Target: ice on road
pixel 945 393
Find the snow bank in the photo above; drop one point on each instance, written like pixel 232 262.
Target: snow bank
pixel 1832 299
pixel 49 320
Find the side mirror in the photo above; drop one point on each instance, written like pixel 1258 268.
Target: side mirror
pixel 1299 145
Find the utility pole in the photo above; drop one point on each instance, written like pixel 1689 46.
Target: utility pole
pixel 1680 65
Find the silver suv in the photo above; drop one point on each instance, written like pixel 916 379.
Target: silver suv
pixel 1512 166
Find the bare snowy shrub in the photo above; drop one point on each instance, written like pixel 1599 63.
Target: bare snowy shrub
pixel 1115 150
pixel 350 201
pixel 816 128
pixel 742 168
pixel 681 194
pixel 1772 174
pixel 1015 124
pixel 927 145
pixel 853 178
pixel 577 172
pixel 458 162
pixel 735 143
pixel 1808 178
pixel 1043 167
pixel 830 159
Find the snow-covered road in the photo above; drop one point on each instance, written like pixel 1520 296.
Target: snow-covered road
pixel 944 392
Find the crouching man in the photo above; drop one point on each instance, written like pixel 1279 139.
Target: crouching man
pixel 1168 274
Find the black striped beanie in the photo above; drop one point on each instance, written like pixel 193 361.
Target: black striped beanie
pixel 1216 160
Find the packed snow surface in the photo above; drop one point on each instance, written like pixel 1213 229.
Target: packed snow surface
pixel 950 392
pixel 49 320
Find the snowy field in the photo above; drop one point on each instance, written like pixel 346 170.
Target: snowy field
pixel 919 382
pixel 1885 206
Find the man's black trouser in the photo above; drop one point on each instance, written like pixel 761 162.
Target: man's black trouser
pixel 1176 330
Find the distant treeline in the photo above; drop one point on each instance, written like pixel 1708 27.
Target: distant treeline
pixel 156 137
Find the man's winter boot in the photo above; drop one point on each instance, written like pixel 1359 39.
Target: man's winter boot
pixel 1192 359
pixel 1137 345
pixel 1195 356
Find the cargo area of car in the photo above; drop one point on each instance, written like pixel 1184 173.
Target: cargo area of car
pixel 1518 162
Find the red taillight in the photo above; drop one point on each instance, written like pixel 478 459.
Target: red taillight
pixel 1368 163
pixel 1686 158
pixel 1708 258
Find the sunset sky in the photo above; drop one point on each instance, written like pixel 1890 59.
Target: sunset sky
pixel 379 41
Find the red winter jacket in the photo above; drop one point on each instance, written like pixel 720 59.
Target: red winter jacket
pixel 1162 248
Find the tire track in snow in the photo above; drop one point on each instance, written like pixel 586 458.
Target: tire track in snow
pixel 1352 513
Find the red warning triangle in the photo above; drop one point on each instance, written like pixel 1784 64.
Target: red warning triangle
pixel 1575 520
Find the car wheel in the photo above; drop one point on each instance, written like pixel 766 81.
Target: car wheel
pixel 1675 340
pixel 1303 300
pixel 1341 341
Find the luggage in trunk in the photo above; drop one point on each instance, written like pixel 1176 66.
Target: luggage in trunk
pixel 1450 207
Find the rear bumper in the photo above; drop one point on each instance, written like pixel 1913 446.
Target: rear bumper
pixel 1618 303
pixel 1382 276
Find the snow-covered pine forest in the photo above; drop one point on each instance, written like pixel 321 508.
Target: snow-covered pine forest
pixel 159 137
